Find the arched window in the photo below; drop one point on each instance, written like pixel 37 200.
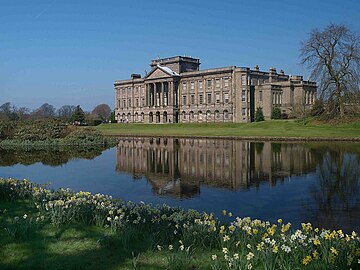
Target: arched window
pixel 157 117
pixel 200 116
pixel 183 115
pixel 226 114
pixel 129 117
pixel 192 115
pixel 217 114
pixel 151 117
pixel 208 114
pixel 165 117
pixel 142 117
pixel 136 117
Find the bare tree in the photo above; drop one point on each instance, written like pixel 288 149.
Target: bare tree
pixel 44 111
pixel 103 111
pixel 66 111
pixel 333 55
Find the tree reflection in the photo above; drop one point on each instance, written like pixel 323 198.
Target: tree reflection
pixel 335 195
pixel 50 156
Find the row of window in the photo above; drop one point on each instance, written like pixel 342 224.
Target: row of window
pixel 191 84
pixel 208 115
pixel 209 99
pixel 277 98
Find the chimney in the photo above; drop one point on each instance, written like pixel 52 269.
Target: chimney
pixel 256 68
pixel 272 74
pixel 135 76
pixel 282 72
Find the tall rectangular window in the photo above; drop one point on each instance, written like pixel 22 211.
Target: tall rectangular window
pixel 217 97
pixel 243 111
pixel 243 95
pixel 129 102
pixel 226 98
pixel 243 79
pixel 119 104
pixel 260 96
pixel 124 103
pixel 226 82
pixel 201 99
pixel 208 83
pixel 209 98
pixel 192 85
pixel 200 84
pixel 184 86
pixel 192 98
pixel 137 102
pixel 217 83
pixel 184 100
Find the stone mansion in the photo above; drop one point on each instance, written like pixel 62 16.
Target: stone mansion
pixel 177 91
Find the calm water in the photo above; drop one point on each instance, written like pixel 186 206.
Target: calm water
pixel 299 182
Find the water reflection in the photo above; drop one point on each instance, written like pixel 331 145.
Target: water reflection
pixel 178 167
pixel 51 156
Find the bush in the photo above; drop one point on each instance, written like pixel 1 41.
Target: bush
pixel 317 108
pixel 284 116
pixel 276 113
pixel 259 115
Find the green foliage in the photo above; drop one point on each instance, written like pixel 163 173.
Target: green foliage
pixel 259 115
pixel 276 113
pixel 77 116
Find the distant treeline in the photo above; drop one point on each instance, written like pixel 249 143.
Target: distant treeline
pixel 69 113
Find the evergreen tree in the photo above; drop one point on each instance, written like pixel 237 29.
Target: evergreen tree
pixel 259 115
pixel 78 115
pixel 276 113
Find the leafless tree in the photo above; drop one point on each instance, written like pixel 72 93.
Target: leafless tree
pixel 333 55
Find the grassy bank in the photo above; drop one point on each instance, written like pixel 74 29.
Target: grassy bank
pixel 273 128
pixel 44 229
pixel 39 134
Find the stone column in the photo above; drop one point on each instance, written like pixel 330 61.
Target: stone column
pixel 170 94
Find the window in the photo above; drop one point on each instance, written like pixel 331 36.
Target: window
pixel 200 84
pixel 217 114
pixel 201 99
pixel 137 102
pixel 243 95
pixel 119 104
pixel 208 114
pixel 226 98
pixel 243 79
pixel 124 103
pixel 200 115
pixel 192 115
pixel 217 83
pixel 209 98
pixel 226 114
pixel 184 86
pixel 184 100
pixel 129 90
pixel 129 102
pixel 226 82
pixel 209 83
pixel 143 102
pixel 192 99
pixel 217 97
pixel 183 115
pixel 192 85
pixel 260 96
pixel 243 111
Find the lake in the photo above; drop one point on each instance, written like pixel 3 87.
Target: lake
pixel 317 182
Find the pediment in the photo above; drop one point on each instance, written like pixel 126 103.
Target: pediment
pixel 160 72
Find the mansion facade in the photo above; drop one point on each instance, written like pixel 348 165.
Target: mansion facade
pixel 177 91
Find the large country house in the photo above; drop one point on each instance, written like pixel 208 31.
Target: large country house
pixel 176 90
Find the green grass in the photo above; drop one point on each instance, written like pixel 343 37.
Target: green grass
pixel 76 246
pixel 272 128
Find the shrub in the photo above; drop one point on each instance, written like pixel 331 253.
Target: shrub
pixel 276 113
pixel 259 115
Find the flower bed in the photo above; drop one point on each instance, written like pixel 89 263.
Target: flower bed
pixel 241 244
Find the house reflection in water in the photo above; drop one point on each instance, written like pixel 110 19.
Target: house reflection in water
pixel 178 167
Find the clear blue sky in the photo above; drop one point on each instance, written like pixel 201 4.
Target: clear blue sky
pixel 72 51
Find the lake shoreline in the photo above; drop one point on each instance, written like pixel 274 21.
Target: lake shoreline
pixel 241 138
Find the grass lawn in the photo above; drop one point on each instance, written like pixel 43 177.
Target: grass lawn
pixel 75 246
pixel 272 128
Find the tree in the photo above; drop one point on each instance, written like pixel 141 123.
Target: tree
pixel 333 55
pixel 8 112
pixel 276 113
pixel 103 111
pixel 259 115
pixel 66 111
pixel 44 111
pixel 78 115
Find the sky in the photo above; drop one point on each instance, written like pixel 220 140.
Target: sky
pixel 71 51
